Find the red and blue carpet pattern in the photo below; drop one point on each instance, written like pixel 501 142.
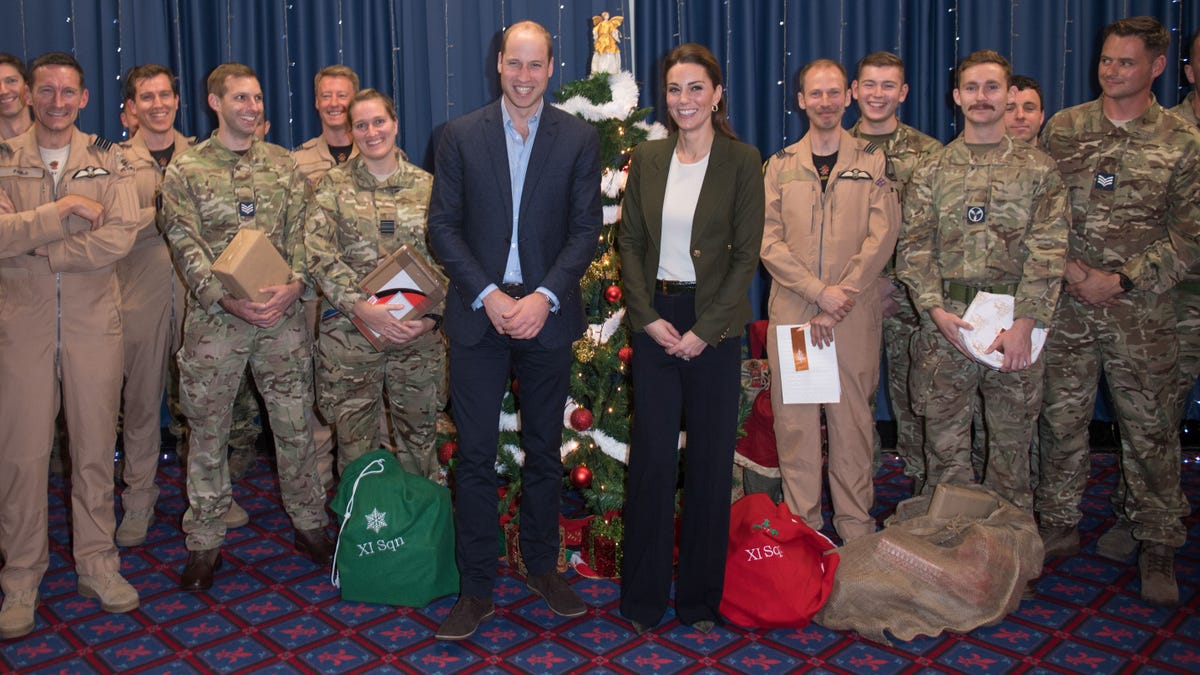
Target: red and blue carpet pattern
pixel 272 611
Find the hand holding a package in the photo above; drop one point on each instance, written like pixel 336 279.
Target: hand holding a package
pixel 949 324
pixel 1016 344
pixel 265 314
pixel 380 319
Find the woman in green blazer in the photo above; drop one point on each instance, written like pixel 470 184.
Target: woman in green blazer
pixel 691 226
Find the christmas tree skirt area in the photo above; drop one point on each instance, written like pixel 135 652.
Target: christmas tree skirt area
pixel 271 610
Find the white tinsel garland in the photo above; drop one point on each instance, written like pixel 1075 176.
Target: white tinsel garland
pixel 600 333
pixel 624 100
pixel 654 131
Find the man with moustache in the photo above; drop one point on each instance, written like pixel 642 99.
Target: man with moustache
pixel 1025 111
pixel 74 214
pixel 832 218
pixel 14 97
pixel 984 214
pixel 1132 169
pixel 152 298
pixel 514 219
pixel 229 182
pixel 879 89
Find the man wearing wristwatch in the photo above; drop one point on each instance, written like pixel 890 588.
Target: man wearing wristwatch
pixel 1132 169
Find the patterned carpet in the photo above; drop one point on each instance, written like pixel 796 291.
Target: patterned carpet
pixel 272 611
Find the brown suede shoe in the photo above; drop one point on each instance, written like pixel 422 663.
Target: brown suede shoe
pixel 464 618
pixel 198 571
pixel 557 593
pixel 316 545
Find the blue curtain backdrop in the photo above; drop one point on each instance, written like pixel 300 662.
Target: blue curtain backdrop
pixel 437 58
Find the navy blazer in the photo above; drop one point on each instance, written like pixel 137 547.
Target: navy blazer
pixel 470 217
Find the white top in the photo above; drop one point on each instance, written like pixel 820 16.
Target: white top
pixel 679 209
pixel 55 160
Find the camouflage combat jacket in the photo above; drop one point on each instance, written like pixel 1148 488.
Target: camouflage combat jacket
pixel 354 221
pixel 1186 111
pixel 904 149
pixel 1133 191
pixel 986 218
pixel 210 192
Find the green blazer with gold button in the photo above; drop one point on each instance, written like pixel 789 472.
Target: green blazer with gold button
pixel 726 234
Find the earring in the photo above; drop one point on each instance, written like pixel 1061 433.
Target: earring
pixel 714 107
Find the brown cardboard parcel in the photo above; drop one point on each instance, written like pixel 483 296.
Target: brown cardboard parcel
pixel 248 263
pixel 405 282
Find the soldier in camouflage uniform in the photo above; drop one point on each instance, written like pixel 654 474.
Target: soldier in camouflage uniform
pixel 986 213
pixel 1134 226
pixel 231 181
pixel 1186 293
pixel 1025 112
pixel 361 212
pixel 152 298
pixel 879 89
pixel 69 214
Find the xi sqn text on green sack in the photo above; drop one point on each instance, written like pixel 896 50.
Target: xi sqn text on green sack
pixel 396 543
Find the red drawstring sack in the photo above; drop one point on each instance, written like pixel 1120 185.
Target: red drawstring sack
pixel 777 570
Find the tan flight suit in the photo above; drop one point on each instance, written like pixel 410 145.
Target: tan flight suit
pixel 152 302
pixel 813 239
pixel 60 332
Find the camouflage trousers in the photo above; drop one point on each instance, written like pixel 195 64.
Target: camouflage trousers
pixel 1187 313
pixel 898 331
pixel 945 386
pixel 244 429
pixel 216 349
pixel 1135 344
pixel 352 378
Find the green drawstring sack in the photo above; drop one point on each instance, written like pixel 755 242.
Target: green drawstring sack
pixel 396 541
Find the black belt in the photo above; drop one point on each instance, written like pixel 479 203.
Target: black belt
pixel 669 287
pixel 965 294
pixel 514 291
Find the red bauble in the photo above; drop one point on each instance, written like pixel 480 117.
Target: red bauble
pixel 446 451
pixel 581 477
pixel 581 419
pixel 625 354
pixel 613 293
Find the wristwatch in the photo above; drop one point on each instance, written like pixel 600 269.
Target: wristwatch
pixel 1126 282
pixel 437 321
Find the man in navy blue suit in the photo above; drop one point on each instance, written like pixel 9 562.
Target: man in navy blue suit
pixel 514 219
